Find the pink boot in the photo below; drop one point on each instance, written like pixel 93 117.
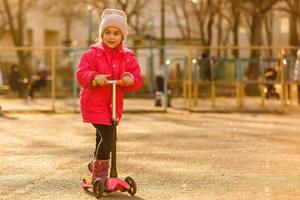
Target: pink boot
pixel 100 170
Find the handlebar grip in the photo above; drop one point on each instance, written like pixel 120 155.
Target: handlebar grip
pixel 94 83
pixel 120 83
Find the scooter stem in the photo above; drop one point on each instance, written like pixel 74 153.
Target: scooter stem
pixel 114 102
pixel 114 84
pixel 113 169
pixel 113 166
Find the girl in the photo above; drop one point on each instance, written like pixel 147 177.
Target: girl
pixel 106 60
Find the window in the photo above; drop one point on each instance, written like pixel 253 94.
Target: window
pixel 284 25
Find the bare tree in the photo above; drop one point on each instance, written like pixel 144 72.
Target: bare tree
pixel 100 5
pixel 200 13
pixel 133 10
pixel 205 12
pixel 256 11
pixel 15 12
pixel 233 17
pixel 223 25
pixel 292 7
pixel 3 21
pixel 180 10
pixel 268 24
pixel 70 11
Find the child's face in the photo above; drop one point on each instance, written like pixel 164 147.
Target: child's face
pixel 112 37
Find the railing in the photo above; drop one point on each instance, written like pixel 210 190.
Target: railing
pixel 190 83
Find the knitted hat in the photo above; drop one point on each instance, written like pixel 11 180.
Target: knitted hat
pixel 116 18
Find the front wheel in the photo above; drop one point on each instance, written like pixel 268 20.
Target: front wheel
pixel 98 188
pixel 132 185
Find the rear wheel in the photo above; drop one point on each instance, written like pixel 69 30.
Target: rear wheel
pixel 98 188
pixel 132 185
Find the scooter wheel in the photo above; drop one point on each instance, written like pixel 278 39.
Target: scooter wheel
pixel 98 188
pixel 132 184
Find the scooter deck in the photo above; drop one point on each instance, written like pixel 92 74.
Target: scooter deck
pixel 86 183
pixel 113 184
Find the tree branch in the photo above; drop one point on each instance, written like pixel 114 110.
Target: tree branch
pixel 179 25
pixel 10 21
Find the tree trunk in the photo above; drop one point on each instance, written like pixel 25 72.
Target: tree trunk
pixel 235 27
pixel 219 39
pixel 268 22
pixel 255 40
pixel 67 42
pixel 293 33
pixel 236 40
pixel 24 57
pixel 17 35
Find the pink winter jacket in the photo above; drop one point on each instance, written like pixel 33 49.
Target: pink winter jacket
pixel 95 102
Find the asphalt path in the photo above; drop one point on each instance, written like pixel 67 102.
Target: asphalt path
pixel 172 156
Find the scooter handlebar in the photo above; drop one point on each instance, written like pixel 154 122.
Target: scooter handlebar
pixel 117 82
pixel 110 82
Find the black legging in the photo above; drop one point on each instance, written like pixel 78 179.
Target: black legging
pixel 103 141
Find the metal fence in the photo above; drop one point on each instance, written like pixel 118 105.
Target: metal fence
pixel 232 75
pixel 192 77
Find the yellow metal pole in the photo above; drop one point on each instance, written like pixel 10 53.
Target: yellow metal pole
pixel 282 96
pixel 199 48
pixel 238 93
pixel 213 94
pixel 195 94
pixel 242 93
pixel 242 86
pixel 53 80
pixel 190 79
pixel 285 93
pixel 184 95
pixel 288 92
pixel 293 93
pixel 261 89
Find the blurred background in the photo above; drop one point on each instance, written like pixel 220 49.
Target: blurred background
pixel 229 51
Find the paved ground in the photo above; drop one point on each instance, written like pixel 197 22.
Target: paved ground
pixel 222 104
pixel 175 156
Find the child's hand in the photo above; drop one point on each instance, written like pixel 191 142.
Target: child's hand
pixel 101 79
pixel 128 80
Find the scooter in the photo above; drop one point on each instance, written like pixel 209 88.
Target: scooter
pixel 113 183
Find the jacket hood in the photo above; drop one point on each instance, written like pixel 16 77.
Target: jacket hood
pixel 103 47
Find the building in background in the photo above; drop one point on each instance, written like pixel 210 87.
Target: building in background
pixel 44 29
